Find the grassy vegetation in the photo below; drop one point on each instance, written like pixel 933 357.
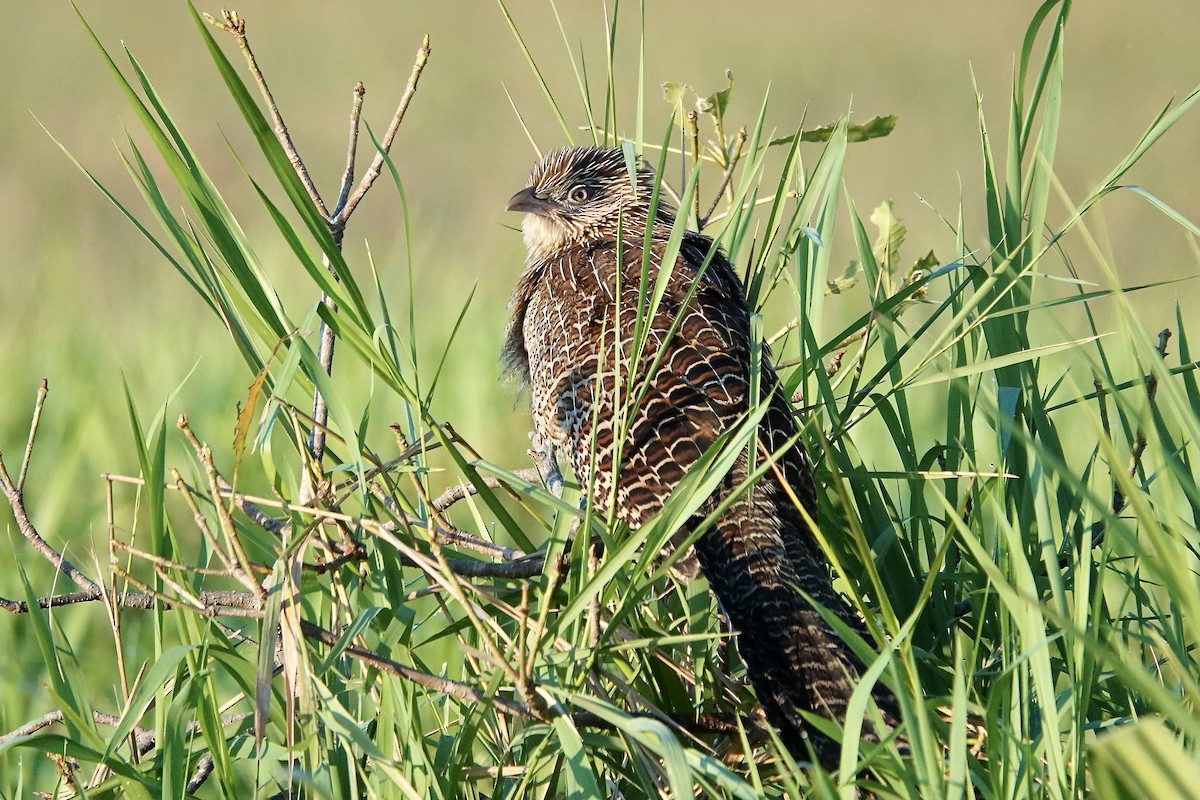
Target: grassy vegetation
pixel 1006 453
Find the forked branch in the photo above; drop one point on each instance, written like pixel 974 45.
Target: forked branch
pixel 233 24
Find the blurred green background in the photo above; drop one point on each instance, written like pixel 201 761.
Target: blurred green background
pixel 84 300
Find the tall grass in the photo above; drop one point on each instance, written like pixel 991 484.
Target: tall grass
pixel 1014 505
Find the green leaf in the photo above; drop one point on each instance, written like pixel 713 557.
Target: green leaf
pixel 582 783
pixel 675 93
pixel 156 678
pixel 891 236
pixel 998 362
pixel 875 128
pixel 1141 760
pixel 716 103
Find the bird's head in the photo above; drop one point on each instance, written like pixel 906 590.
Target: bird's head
pixel 579 195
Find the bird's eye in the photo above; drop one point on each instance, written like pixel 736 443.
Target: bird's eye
pixel 579 194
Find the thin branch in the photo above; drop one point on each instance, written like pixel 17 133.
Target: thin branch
pixel 16 501
pixel 144 738
pixel 515 563
pixel 529 566
pixel 320 413
pixel 693 131
pixel 167 563
pixel 1137 448
pixel 259 517
pixel 351 147
pixel 463 490
pixel 784 331
pixel 234 25
pixel 204 768
pixel 445 686
pixel 215 603
pixel 43 390
pixel 54 601
pixel 385 146
pixel 239 564
pixel 356 554
pixel 202 522
pixel 739 143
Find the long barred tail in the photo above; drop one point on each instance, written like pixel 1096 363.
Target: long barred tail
pixel 793 658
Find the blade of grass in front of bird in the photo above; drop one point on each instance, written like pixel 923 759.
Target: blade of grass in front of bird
pixel 696 486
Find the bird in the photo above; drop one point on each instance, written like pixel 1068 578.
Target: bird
pixel 593 218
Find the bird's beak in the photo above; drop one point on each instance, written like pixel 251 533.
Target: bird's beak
pixel 526 200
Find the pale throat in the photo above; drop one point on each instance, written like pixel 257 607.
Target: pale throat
pixel 542 236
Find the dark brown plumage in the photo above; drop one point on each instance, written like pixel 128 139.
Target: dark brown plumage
pixel 574 310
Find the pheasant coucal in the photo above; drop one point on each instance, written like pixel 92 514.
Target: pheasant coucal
pixel 574 310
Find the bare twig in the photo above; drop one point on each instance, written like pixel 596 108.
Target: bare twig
pixel 1137 448
pixel 202 525
pixel 259 517
pixel 316 437
pixel 16 501
pixel 166 563
pixel 43 389
pixel 239 564
pixel 385 145
pixel 204 768
pixel 143 737
pixel 462 490
pixel 354 554
pixel 54 601
pixel 739 143
pixel 517 564
pixel 214 603
pixel 351 147
pixel 445 686
pixel 784 331
pixel 234 25
pixel 693 130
